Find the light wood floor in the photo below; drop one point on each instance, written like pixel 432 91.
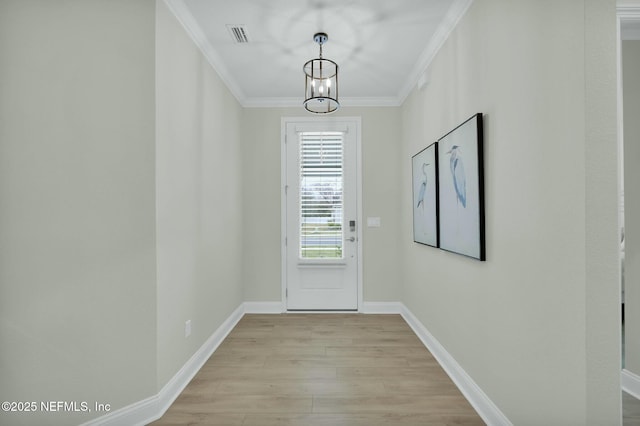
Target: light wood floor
pixel 321 369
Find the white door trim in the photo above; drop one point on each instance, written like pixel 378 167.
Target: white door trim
pixel 283 199
pixel 626 12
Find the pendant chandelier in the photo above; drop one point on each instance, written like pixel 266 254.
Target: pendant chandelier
pixel 321 82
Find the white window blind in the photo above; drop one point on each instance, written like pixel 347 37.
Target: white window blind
pixel 321 195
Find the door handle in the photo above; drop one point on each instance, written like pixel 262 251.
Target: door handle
pixel 352 239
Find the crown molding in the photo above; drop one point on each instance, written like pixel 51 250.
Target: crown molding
pixel 344 102
pixel 448 24
pixel 389 101
pixel 628 9
pixel 188 22
pixel 628 12
pixel 272 102
pixel 628 5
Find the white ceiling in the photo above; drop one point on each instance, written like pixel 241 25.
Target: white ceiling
pixel 382 46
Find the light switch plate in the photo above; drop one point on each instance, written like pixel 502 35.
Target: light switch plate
pixel 373 222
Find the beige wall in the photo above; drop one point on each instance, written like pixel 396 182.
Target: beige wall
pixel 87 312
pixel 77 197
pixel 199 197
pixel 631 78
pixel 523 323
pixel 602 256
pixel 381 197
pixel 136 194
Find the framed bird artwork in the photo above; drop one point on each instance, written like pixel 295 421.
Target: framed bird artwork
pixel 425 196
pixel 461 185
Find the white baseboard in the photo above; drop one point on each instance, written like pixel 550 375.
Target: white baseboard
pixel 139 413
pixel 381 308
pixel 278 308
pixel 263 307
pixel 476 397
pixel 152 408
pixel 630 383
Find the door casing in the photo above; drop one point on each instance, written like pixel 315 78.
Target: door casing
pixel 357 122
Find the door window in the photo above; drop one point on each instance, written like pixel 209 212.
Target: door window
pixel 321 195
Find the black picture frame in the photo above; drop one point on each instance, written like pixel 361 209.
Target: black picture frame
pixel 461 203
pixel 424 166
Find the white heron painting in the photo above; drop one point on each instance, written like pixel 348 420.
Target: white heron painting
pixel 456 164
pixel 425 196
pixel 461 196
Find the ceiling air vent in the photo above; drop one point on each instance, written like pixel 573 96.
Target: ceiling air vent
pixel 238 33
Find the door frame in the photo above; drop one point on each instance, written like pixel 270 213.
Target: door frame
pixel 627 12
pixel 357 122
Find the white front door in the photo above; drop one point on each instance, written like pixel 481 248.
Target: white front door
pixel 321 231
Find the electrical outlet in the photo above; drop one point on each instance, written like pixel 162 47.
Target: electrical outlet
pixel 187 328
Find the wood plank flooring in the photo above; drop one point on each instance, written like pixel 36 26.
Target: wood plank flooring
pixel 321 369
